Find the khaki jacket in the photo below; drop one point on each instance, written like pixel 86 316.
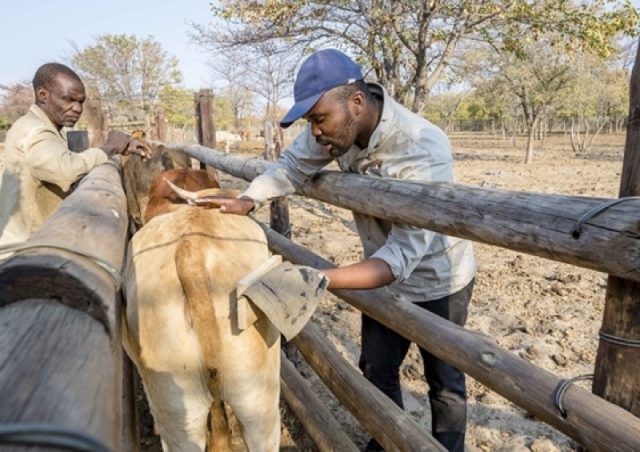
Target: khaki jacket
pixel 38 174
pixel 426 265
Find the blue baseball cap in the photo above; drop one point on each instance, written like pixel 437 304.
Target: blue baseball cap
pixel 319 73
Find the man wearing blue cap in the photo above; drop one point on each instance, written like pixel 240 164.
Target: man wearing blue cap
pixel 368 132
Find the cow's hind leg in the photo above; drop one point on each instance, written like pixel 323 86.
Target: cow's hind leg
pixel 259 419
pixel 254 398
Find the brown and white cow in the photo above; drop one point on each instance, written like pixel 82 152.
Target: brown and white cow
pixel 179 326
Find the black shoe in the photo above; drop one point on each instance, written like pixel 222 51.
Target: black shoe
pixel 373 446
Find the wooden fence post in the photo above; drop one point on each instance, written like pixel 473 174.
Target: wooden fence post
pixel 279 208
pixel 617 369
pixel 204 121
pixel 104 123
pixel 161 125
pixel 61 358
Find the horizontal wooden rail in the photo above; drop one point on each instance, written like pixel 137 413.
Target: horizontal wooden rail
pixel 392 427
pixel 590 420
pixel 536 224
pixel 60 359
pixel 317 420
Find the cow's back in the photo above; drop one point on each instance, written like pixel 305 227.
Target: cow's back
pixel 190 253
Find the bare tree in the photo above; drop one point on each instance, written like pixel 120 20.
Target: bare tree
pixel 407 44
pixel 231 67
pixel 16 100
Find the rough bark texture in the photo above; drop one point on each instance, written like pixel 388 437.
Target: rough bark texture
pixel 617 370
pixel 590 420
pixel 318 422
pixel 537 224
pixel 60 360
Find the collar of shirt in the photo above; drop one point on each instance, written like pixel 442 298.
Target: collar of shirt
pixel 383 129
pixel 43 116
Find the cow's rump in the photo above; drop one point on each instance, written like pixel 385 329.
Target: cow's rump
pixel 179 328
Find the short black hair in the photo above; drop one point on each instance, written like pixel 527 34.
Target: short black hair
pixel 345 91
pixel 47 74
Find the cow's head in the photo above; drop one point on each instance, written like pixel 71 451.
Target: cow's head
pixel 139 177
pixel 163 198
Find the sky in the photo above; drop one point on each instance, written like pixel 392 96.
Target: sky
pixel 33 32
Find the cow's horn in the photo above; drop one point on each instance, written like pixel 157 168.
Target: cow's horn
pixel 181 192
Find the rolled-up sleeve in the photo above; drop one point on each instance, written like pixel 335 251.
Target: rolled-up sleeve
pixel 301 160
pixel 49 160
pixel 404 249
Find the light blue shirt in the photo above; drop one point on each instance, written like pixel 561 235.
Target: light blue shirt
pixel 426 265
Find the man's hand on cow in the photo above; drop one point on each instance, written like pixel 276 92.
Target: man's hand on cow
pixel 119 142
pixel 239 206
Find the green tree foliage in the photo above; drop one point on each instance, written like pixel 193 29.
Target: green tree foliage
pixel 177 104
pixel 127 71
pixel 597 97
pixel 537 76
pixel 409 45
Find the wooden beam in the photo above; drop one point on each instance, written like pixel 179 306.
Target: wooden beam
pixel 279 208
pixel 205 127
pixel 60 360
pixel 317 420
pixel 537 224
pixel 617 369
pixel 392 427
pixel 161 125
pixel 590 420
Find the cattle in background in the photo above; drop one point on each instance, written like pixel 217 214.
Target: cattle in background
pixel 182 269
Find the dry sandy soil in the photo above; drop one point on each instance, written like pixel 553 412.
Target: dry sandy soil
pixel 543 311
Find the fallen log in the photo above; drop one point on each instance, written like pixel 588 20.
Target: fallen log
pixel 60 360
pixel 539 224
pixel 592 421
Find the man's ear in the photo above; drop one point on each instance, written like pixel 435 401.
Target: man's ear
pixel 42 95
pixel 357 102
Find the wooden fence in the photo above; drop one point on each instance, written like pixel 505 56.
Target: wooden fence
pixel 590 420
pixel 60 353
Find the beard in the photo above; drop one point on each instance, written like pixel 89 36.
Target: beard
pixel 346 138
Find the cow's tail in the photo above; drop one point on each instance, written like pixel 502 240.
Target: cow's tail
pixel 192 273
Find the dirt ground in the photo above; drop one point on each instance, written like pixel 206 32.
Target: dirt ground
pixel 543 311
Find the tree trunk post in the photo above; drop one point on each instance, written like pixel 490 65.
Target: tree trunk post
pixel 104 123
pixel 161 125
pixel 617 369
pixel 280 206
pixel 204 122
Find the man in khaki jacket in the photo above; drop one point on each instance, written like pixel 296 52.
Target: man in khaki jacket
pixel 39 168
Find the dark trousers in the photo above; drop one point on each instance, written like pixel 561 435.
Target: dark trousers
pixel 383 351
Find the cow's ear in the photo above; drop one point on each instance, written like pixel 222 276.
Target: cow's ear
pixel 167 162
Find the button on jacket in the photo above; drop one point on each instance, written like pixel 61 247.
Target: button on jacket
pixel 426 265
pixel 39 171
